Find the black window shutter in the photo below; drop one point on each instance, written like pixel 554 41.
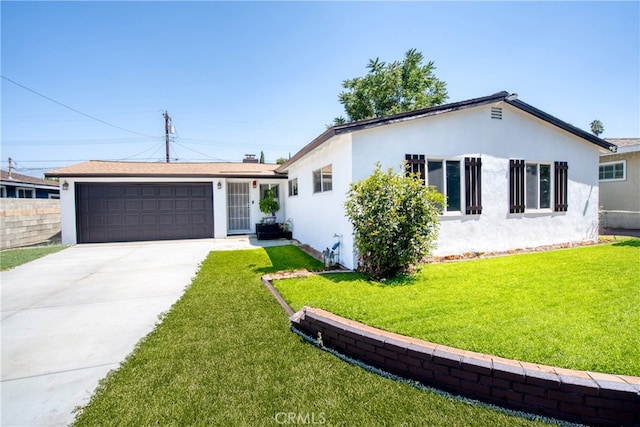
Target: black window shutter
pixel 561 185
pixel 473 185
pixel 516 186
pixel 415 164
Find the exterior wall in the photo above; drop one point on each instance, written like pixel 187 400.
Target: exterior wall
pixel 455 135
pixel 68 202
pixel 318 217
pixel 26 222
pixel 622 195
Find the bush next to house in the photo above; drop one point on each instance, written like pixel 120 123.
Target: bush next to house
pixel 395 221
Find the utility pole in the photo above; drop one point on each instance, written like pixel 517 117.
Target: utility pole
pixel 166 134
pixel 10 167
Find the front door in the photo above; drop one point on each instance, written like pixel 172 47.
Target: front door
pixel 239 208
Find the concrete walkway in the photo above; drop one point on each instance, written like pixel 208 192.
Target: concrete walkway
pixel 71 317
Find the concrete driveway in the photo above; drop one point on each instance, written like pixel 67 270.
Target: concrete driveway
pixel 71 317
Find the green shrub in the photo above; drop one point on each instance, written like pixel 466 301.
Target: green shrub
pixel 395 221
pixel 269 204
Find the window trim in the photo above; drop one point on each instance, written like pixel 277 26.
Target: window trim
pixel 290 187
pixel 323 183
pixel 624 171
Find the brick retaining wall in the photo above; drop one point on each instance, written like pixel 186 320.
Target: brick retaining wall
pixel 26 222
pixel 576 396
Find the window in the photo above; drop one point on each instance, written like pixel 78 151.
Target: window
pixel 415 164
pixel 323 179
pixel 613 171
pixel 266 187
pixel 531 186
pixel 25 193
pixel 3 191
pixel 445 176
pixel 538 186
pixel 293 187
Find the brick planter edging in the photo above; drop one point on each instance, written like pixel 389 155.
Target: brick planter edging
pixel 577 396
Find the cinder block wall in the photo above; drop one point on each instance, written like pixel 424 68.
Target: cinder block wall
pixel 577 396
pixel 26 222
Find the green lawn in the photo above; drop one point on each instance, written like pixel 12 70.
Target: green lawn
pixel 574 308
pixel 225 356
pixel 11 258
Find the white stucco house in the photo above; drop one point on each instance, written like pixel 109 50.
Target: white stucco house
pixel 104 201
pixel 514 176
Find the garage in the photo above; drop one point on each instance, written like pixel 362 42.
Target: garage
pixel 125 212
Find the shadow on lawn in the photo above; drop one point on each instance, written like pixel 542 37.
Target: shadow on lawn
pixel 631 242
pixel 288 258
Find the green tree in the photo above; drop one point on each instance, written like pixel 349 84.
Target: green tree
pixel 261 156
pixel 269 204
pixel 392 88
pixel 596 127
pixel 395 221
pixel 281 160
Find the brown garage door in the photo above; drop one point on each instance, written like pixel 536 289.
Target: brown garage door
pixel 117 212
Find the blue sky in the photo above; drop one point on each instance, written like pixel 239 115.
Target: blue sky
pixel 245 77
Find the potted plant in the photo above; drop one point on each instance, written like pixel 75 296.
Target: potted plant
pixel 269 205
pixel 285 227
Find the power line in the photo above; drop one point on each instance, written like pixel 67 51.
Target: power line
pixel 73 109
pixel 195 151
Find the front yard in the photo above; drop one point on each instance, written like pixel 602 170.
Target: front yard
pixel 574 308
pixel 225 356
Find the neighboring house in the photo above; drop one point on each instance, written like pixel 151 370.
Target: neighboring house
pixel 619 175
pixel 130 201
pixel 15 185
pixel 514 176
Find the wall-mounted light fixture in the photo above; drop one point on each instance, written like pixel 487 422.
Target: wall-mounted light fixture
pixel 219 185
pixel 65 186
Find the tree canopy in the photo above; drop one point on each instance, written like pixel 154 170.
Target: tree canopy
pixel 392 88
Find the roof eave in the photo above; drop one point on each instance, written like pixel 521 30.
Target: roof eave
pixel 394 118
pixel 607 146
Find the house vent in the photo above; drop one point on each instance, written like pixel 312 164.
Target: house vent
pixel 496 113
